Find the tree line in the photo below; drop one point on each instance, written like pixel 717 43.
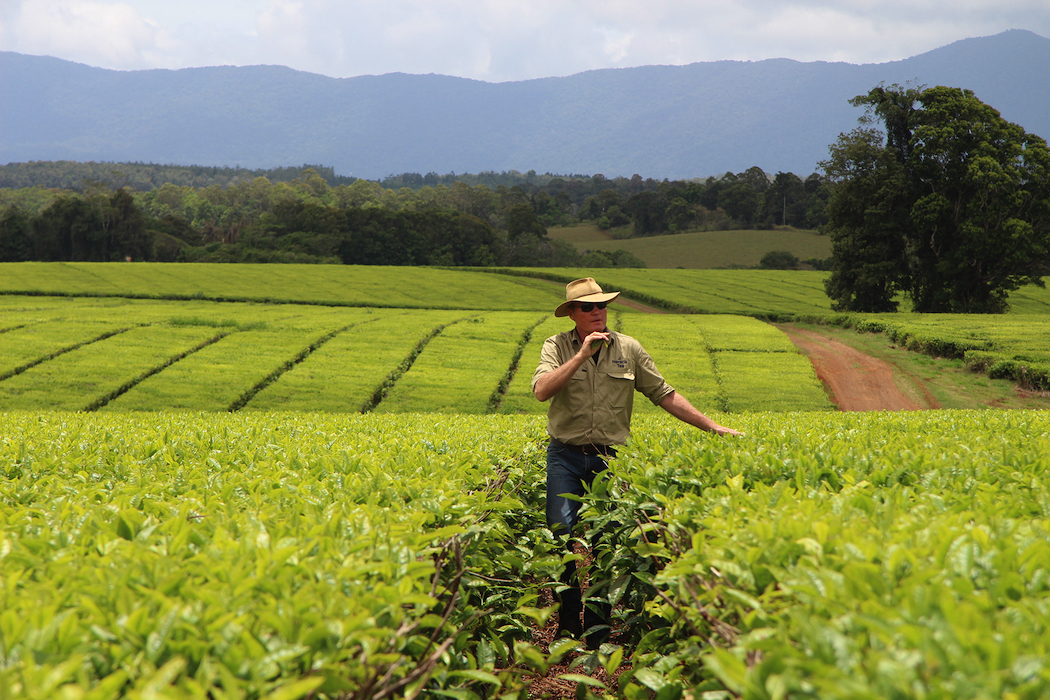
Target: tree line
pixel 304 220
pixel 648 206
pixel 308 219
pixel 142 177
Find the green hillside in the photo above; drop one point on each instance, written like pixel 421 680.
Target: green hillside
pixel 332 285
pixel 701 249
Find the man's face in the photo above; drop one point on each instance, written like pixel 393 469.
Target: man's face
pixel 588 321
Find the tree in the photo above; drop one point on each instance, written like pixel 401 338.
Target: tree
pixel 16 244
pixel 785 200
pixel 523 222
pixel 67 231
pixel 741 201
pixel 951 204
pixel 779 260
pixel 866 224
pixel 756 178
pixel 601 204
pixel 680 214
pixel 818 192
pixel 648 211
pixel 125 226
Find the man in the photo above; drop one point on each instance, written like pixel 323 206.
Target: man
pixel 590 374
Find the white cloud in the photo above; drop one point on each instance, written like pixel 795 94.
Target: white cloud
pixel 112 33
pixel 496 39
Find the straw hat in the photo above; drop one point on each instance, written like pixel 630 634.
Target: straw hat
pixel 585 289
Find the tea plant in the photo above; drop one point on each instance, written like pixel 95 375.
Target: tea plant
pixel 833 556
pixel 462 366
pixel 186 555
pixel 330 285
pixel 345 374
pixel 90 375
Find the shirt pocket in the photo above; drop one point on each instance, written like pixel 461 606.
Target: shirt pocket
pixel 621 385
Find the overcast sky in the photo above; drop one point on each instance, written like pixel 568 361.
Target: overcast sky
pixel 496 40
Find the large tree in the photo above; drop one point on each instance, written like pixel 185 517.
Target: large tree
pixel 951 204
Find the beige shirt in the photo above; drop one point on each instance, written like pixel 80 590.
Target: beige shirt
pixel 595 406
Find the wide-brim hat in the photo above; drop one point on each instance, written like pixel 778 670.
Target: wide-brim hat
pixel 585 289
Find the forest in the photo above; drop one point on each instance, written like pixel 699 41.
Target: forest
pixel 118 211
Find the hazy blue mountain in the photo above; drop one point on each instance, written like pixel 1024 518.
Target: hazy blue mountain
pixel 657 121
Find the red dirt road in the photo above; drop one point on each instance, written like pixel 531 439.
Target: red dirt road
pixel 856 382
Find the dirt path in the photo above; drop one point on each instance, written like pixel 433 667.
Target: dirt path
pixel 856 382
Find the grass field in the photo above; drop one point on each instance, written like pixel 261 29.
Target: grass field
pixel 701 249
pixel 749 292
pixel 947 381
pixel 1011 346
pixel 581 235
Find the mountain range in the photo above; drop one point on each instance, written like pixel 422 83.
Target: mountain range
pixel 657 121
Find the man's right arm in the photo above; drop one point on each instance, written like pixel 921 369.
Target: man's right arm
pixel 550 383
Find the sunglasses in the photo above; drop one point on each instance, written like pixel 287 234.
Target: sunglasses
pixel 588 306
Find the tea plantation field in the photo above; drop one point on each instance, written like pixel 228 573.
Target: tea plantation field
pixel 295 555
pixel 115 354
pixel 284 482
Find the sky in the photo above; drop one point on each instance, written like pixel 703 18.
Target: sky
pixel 495 40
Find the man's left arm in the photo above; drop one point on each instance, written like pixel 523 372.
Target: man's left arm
pixel 679 407
pixel 651 383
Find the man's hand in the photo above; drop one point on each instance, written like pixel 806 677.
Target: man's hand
pixel 554 381
pixel 592 342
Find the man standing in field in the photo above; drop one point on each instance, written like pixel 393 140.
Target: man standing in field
pixel 590 374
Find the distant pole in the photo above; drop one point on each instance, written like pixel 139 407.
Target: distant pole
pixel 784 218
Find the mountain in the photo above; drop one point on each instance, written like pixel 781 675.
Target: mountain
pixel 658 121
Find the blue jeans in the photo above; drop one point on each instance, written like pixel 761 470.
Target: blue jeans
pixel 572 472
pixel 568 471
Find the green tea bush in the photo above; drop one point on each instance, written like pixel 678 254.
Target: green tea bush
pixel 833 556
pixel 1014 346
pixel 196 555
pixel 334 556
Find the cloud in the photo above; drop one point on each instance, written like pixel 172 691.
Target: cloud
pixel 496 40
pixel 137 34
pixel 113 34
pixel 504 40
